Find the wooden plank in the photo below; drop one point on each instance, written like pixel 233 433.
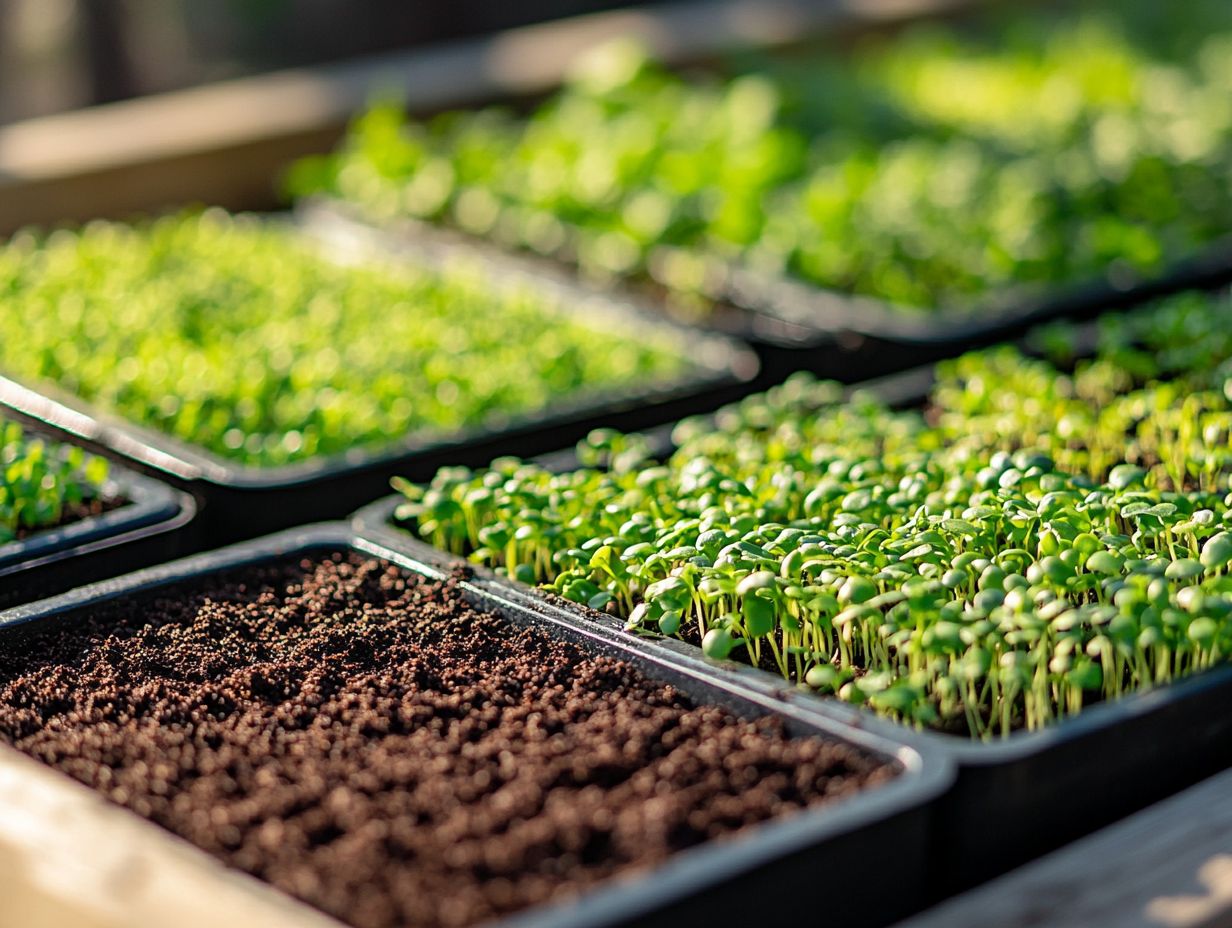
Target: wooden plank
pixel 225 143
pixel 69 857
pixel 1169 866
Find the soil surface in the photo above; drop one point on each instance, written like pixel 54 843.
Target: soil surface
pixel 368 742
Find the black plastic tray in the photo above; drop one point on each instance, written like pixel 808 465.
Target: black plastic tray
pixel 153 525
pixel 795 325
pixel 238 502
pixel 767 876
pixel 1015 798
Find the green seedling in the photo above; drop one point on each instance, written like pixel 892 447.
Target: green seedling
pixel 43 485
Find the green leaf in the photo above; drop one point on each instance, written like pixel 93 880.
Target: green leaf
pixel 759 616
pixel 1217 551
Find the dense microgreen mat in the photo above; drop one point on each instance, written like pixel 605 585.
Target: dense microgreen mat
pixel 1044 533
pixel 43 485
pixel 236 336
pixel 928 168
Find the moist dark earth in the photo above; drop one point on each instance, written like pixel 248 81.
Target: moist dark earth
pixel 368 742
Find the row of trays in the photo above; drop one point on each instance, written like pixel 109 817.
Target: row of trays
pixel 955 814
pixel 850 343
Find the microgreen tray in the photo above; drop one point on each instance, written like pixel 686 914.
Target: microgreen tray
pixel 762 188
pixel 153 523
pixel 1038 789
pixel 239 500
pixel 1004 315
pixel 851 842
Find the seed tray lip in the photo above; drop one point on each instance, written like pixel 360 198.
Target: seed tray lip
pixel 782 311
pixel 151 508
pixel 924 773
pixel 716 362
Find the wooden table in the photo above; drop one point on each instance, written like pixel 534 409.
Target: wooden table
pixel 1169 866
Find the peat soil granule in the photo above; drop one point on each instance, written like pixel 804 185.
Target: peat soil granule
pixel 365 740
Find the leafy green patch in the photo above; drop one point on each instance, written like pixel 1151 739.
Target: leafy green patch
pixel 926 169
pixel 236 336
pixel 41 484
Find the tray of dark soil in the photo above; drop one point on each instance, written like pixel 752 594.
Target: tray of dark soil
pixel 793 195
pixel 282 382
pixel 1023 555
pixel 68 518
pixel 396 743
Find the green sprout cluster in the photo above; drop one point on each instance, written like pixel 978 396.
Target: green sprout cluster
pixel 235 335
pixel 43 485
pixel 960 566
pixel 1157 395
pixel 928 169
